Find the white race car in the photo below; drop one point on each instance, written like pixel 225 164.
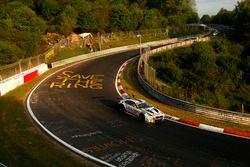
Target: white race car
pixel 141 110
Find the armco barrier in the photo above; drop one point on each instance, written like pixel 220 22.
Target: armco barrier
pixel 111 51
pixel 121 91
pixel 24 77
pixel 17 80
pixel 210 112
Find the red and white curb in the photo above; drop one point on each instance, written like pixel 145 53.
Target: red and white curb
pixel 121 91
pixel 118 85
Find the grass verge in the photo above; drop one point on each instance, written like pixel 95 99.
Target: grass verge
pixel 70 52
pixel 22 143
pixel 131 85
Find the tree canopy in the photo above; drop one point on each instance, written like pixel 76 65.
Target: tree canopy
pixel 206 73
pixel 239 19
pixel 22 22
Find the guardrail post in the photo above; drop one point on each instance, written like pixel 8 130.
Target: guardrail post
pixel 242 108
pixel 20 67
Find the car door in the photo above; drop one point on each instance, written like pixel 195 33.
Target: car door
pixel 131 107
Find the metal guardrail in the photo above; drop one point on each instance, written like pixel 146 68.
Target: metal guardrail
pixel 111 51
pixel 7 71
pixel 215 113
pixel 20 66
pixel 2 165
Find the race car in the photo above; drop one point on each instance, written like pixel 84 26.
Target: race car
pixel 142 110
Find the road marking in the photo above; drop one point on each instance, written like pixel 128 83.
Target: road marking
pixel 87 135
pixel 122 158
pixel 68 145
pixel 70 79
pixel 110 144
pixel 127 158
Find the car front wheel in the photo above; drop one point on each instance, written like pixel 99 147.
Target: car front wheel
pixel 142 117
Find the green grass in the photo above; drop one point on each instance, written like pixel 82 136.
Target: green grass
pixel 70 52
pixel 22 143
pixel 132 87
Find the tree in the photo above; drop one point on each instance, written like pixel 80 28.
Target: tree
pixel 25 19
pixel 172 72
pixel 153 19
pixel 25 28
pixel 67 20
pixel 224 17
pixel 86 22
pixel 179 12
pixel 9 53
pixel 48 9
pixel 156 4
pixel 9 7
pixel 142 3
pixel 101 10
pixel 205 19
pixel 136 16
pixel 120 18
pixel 80 5
pixel 242 22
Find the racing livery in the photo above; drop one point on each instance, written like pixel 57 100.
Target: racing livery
pixel 141 110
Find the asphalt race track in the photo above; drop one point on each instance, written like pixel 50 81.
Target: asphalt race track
pixel 79 105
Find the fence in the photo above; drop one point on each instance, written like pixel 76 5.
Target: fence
pixel 20 66
pixel 150 83
pixel 110 39
pixel 7 71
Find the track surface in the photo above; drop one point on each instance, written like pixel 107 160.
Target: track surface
pixel 79 105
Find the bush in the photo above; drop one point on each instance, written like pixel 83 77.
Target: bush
pixel 9 53
pixel 207 73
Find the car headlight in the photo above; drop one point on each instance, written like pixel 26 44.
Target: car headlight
pixel 150 118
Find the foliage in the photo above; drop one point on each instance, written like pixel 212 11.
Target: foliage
pixel 9 52
pixel 179 12
pixel 242 21
pixel 207 73
pixel 23 22
pixel 239 19
pixel 205 19
pixel 119 19
pixel 86 21
pixel 67 20
pixel 223 17
pixel 22 29
pixel 153 19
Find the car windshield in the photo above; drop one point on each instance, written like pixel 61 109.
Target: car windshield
pixel 144 105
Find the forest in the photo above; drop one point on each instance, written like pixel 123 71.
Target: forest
pixel 215 73
pixel 212 73
pixel 23 22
